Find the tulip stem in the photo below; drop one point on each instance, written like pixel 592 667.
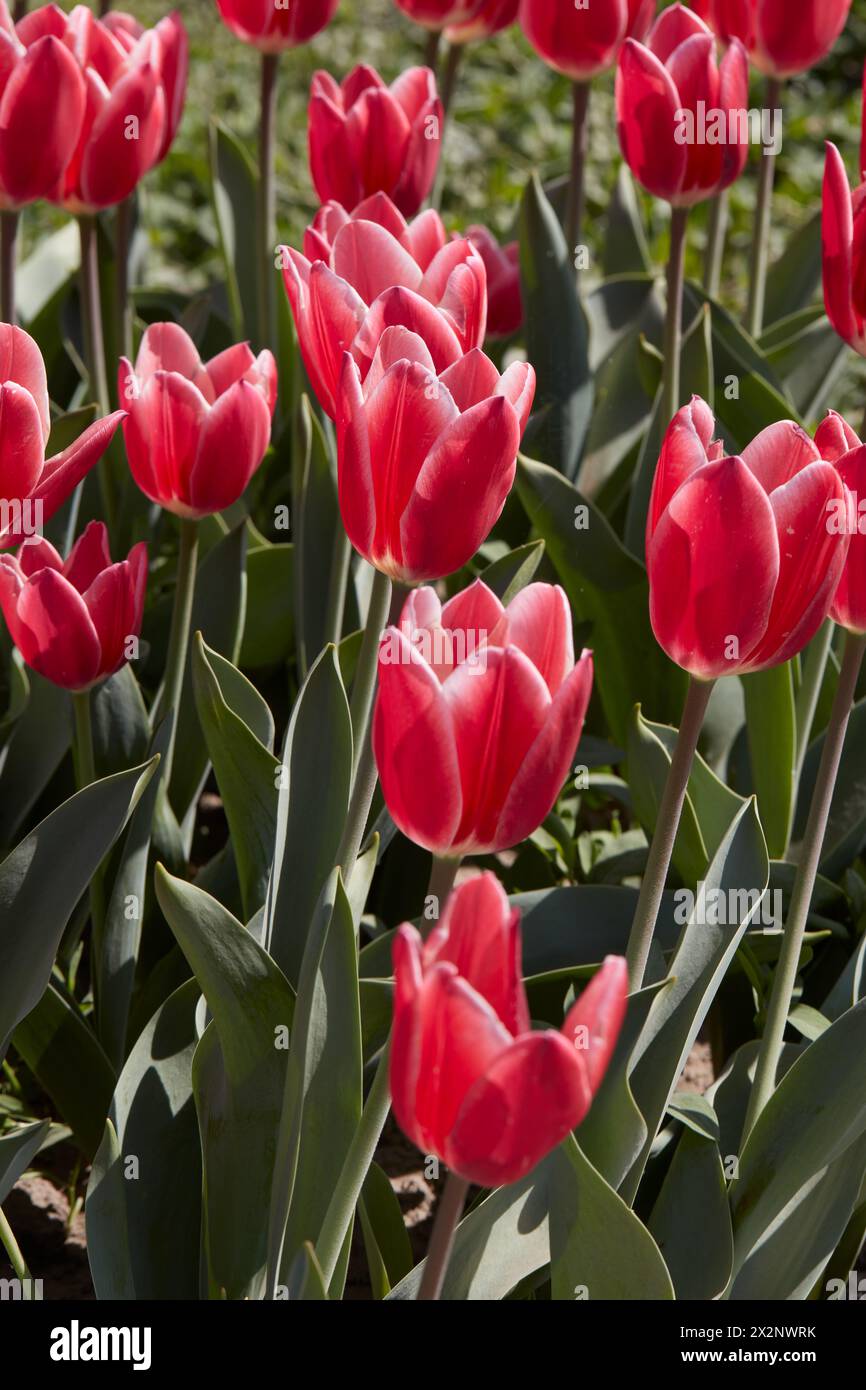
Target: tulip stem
pixel 85 774
pixel 8 246
pixel 341 559
pixel 785 977
pixel 122 234
pixel 446 92
pixel 356 1165
pixel 716 235
pixel 13 1250
pixel 267 198
pixel 674 319
pixel 178 642
pixel 667 823
pixel 448 1215
pixel 763 217
pixel 814 668
pixel 442 878
pixel 576 203
pixel 432 45
pixel 94 346
pixel 364 685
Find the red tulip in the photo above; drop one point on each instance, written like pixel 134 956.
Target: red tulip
pixel 368 270
pixel 112 125
pixel 582 42
pixel 504 299
pixel 471 1081
pixel 839 445
pixel 271 26
pixel 493 16
pixel 743 561
pixel 426 460
pixel 368 138
pixel 478 715
pixel 782 39
pixel 42 100
pixel 72 620
pixel 437 14
pixel 32 488
pixel 196 432
pixel 844 234
pixel 664 94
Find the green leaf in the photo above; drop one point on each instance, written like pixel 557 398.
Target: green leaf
pixel 846 828
pixel 121 730
pixel 508 575
pixel 599 1249
pixel 772 733
pixel 386 1240
pixel 42 880
pixel 794 280
pixel 809 356
pixel 62 1052
pixel 143 1231
pixel 315 782
pixel 739 872
pixel 238 1075
pixel 608 590
pixel 557 337
pixel 16 1150
pixel 234 189
pixel 33 752
pixel 691 1220
pixel 625 243
pixel 306 1282
pixel 246 770
pixel 317 520
pixel 269 633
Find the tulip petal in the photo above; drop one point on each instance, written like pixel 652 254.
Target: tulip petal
pixel 849 602
pixel 162 432
pixel 779 453
pixel 372 260
pixel 834 438
pixel 838 237
pixel 527 1101
pixel 647 103
pixel 577 41
pixel 593 1023
pixel 114 161
pixel 413 740
pixel 88 557
pixel 38 554
pixel 234 439
pixel 479 933
pixel 111 603
pixel 62 474
pixel 22 448
pixel 228 367
pixel 166 347
pixel 334 174
pixel 539 623
pixel 402 306
pixel 377 137
pixel 21 362
pixel 328 314
pixel 471 379
pixel 685 448
pixel 424 237
pixel 38 136
pixel 52 629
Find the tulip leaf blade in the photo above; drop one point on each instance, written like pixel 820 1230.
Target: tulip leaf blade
pixel 512 572
pixel 771 727
pixel 34 750
pixel 626 249
pixel 16 1150
pixel 691 1220
pixel 234 187
pixel 317 519
pixel 386 1239
pixel 269 631
pixel 846 828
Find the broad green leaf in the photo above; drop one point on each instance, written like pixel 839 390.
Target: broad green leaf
pixel 794 280
pixel 599 1249
pixel 557 337
pixel 306 1282
pixel 33 752
pixel 314 785
pixel 772 734
pixel 234 192
pixel 608 590
pixel 846 828
pixel 238 1076
pixel 269 634
pixel 386 1240
pixel 246 770
pixel 143 1207
pixel 691 1220
pixel 121 730
pixel 42 880
pixel 17 1148
pixel 809 357
pixel 317 526
pixel 625 243
pixel 506 577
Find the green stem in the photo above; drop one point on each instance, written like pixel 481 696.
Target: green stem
pixel 85 774
pixel 674 319
pixel 763 218
pixel 716 235
pixel 267 197
pixel 442 1240
pixel 814 668
pixel 13 1250
pixel 364 684
pixel 442 876
pixel 363 791
pixel 341 560
pixel 785 976
pixel 8 239
pixel 178 642
pixel 667 824
pixel 446 92
pixel 122 234
pixel 576 204
pixel 94 347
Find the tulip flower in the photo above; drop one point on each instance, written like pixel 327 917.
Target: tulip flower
pixel 32 488
pixel 838 444
pixel 438 14
pixel 72 620
pixel 370 270
pixel 844 237
pixel 504 298
pixel 582 41
pixel 471 1081
pixel 493 16
pixel 782 40
pixel 478 715
pixel 195 432
pixel 173 64
pixel 742 562
pixel 426 459
pixel 271 28
pixel 665 93
pixel 366 137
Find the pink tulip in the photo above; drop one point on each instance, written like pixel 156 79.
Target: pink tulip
pixel 844 237
pixel 366 137
pixel 437 14
pixel 273 27
pixel 368 270
pixel 839 445
pixel 479 712
pixel 743 559
pixel 471 1081
pixel 426 460
pixel 583 40
pixel 782 39
pixel 32 488
pixel 196 432
pixel 504 298
pixel 661 92
pixel 493 16
pixel 72 620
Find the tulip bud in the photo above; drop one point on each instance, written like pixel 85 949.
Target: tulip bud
pixel 410 440
pixel 471 1082
pixel 840 445
pixel 744 554
pixel 273 27
pixel 493 16
pixel 366 137
pixel 504 298
pixel 195 432
pixel 782 39
pixel 73 621
pixel 478 716
pixel 583 40
pixel 844 249
pixel 437 14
